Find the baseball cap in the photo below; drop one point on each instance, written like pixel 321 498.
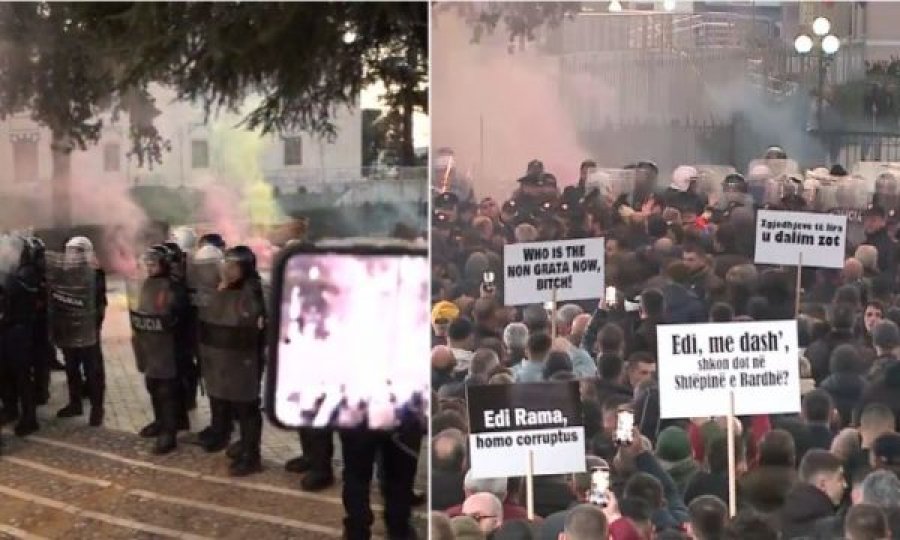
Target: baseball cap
pixel 874 211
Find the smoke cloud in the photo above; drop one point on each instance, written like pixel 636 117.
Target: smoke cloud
pixel 532 109
pixel 515 95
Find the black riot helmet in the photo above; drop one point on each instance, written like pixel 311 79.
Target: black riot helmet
pixel 178 259
pixel 211 239
pixel 38 253
pixel 161 256
pixel 245 259
pixel 735 183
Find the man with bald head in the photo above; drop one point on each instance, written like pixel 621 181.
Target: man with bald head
pixel 442 364
pixel 448 466
pixel 486 509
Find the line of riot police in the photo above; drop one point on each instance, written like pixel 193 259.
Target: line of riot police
pixel 201 314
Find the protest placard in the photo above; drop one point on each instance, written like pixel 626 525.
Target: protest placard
pixel 509 421
pixel 532 270
pixel 700 365
pixel 782 236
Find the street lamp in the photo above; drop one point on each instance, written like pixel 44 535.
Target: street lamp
pixel 828 45
pixel 615 6
pixel 669 5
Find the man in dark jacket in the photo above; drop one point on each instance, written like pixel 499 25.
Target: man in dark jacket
pixel 819 352
pixel 821 488
pixel 885 391
pixel 448 457
pixel 845 385
pixel 817 413
pixel 875 224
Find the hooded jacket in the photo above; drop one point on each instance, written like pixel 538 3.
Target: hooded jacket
pixel 804 506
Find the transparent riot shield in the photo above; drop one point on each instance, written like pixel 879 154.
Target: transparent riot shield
pixel 202 280
pixel 72 305
pixel 711 178
pixel 149 311
pixel 851 199
pixel 612 184
pixel 887 194
pixel 770 179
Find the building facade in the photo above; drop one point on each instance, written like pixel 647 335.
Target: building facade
pixel 198 151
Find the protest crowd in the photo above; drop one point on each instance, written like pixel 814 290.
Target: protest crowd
pixel 678 250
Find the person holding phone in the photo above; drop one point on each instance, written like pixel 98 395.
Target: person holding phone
pixel 231 351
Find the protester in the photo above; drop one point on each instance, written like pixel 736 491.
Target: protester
pixel 678 252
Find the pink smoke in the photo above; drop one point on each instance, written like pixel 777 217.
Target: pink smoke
pixel 221 211
pixel 109 204
pixel 517 97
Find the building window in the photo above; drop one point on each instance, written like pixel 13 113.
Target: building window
pixel 199 154
pixel 111 157
pixel 25 160
pixel 293 151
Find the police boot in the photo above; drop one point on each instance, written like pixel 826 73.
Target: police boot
pixel 150 430
pixel 246 464
pixel 26 427
pixel 235 450
pixel 165 444
pixel 96 418
pixel 317 480
pixel 70 410
pixel 300 464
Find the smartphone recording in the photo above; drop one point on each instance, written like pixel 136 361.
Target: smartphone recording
pixel 352 325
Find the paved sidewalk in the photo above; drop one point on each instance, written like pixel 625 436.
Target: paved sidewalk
pixel 127 401
pixel 128 404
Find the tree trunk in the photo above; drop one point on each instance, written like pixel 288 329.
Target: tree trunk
pixel 61 179
pixel 408 148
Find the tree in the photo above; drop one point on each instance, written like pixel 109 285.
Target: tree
pixel 53 67
pixel 66 63
pixel 304 60
pixel 520 19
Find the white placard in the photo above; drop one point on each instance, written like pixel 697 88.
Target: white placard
pixel 500 455
pixel 700 364
pixel 575 268
pixel 782 236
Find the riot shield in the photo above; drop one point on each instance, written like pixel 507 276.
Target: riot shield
pixel 149 308
pixel 202 280
pixel 770 179
pixel 72 304
pixel 848 196
pixel 711 178
pixel 887 192
pixel 612 184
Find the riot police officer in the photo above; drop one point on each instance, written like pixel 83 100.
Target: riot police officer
pixel 188 372
pixel 77 309
pixel 158 309
pixel 231 330
pixel 21 292
pixel 43 351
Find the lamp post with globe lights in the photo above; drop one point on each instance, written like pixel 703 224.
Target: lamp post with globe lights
pixel 826 45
